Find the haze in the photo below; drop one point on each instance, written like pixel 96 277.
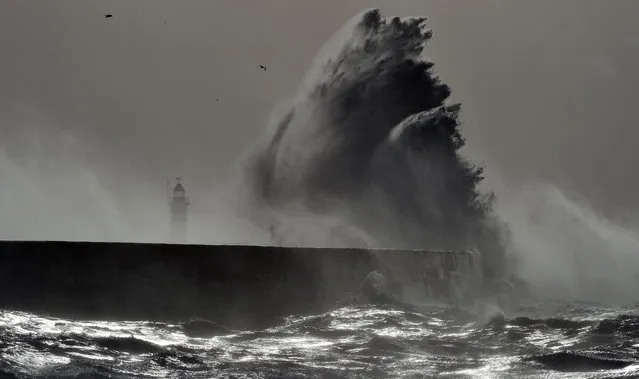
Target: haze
pixel 96 114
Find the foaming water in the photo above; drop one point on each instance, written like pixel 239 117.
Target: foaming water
pixel 559 339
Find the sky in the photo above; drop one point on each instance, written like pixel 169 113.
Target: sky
pixel 168 88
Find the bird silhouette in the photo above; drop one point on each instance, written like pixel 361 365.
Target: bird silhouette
pixel 108 15
pixel 263 67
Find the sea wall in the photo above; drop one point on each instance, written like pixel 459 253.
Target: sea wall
pixel 440 276
pixel 240 286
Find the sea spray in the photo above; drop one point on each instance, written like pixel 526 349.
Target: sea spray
pixel 370 147
pixel 370 142
pixel 565 249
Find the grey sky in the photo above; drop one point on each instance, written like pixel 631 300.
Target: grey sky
pixel 549 87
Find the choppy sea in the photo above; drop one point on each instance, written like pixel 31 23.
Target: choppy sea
pixel 542 340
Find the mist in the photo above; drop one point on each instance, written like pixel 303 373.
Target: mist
pixel 565 249
pixel 58 185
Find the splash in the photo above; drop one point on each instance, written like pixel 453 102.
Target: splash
pixel 566 249
pixel 371 143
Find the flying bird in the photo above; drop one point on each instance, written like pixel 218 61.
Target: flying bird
pixel 263 67
pixel 108 15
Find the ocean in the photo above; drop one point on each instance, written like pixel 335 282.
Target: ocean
pixel 541 340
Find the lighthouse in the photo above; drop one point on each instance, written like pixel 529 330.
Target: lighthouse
pixel 179 204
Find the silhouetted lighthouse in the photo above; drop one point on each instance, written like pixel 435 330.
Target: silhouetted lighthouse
pixel 179 204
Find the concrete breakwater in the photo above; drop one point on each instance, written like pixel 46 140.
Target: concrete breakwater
pixel 238 286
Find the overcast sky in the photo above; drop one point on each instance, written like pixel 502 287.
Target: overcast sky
pixel 164 88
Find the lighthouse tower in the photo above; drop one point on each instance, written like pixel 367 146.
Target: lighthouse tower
pixel 179 204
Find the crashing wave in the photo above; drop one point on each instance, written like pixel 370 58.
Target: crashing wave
pixel 370 141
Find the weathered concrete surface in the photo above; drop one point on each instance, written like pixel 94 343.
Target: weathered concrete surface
pixel 443 276
pixel 236 286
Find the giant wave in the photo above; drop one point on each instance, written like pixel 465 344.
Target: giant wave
pixel 370 147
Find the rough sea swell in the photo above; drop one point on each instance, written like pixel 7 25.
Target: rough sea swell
pixel 546 340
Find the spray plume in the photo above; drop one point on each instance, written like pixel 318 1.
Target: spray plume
pixel 371 143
